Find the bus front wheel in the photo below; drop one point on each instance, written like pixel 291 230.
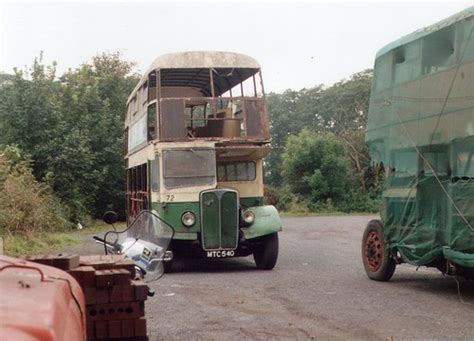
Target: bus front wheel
pixel 376 256
pixel 265 252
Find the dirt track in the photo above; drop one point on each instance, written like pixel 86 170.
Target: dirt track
pixel 317 290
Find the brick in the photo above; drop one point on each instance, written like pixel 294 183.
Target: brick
pixel 104 279
pixel 42 259
pixel 115 311
pixel 126 264
pixel 90 330
pixel 96 262
pixel 141 290
pixel 85 275
pixel 115 294
pixel 101 329
pixel 102 296
pixel 121 276
pixel 78 276
pixel 90 295
pixel 115 329
pixel 128 293
pixel 65 261
pixel 88 276
pixel 128 328
pixel 140 327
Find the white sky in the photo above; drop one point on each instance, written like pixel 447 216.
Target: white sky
pixel 298 44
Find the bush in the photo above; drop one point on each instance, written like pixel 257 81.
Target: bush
pixel 357 201
pixel 315 167
pixel 26 205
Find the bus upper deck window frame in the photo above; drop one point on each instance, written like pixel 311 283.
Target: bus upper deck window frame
pixel 438 50
pixel 235 177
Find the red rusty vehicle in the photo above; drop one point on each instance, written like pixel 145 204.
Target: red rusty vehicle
pixel 39 302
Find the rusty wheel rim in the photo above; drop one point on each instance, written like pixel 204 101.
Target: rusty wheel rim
pixel 373 251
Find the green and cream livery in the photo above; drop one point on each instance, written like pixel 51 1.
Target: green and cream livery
pixel 196 133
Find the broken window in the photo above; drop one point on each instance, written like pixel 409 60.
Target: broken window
pixel 138 133
pixel 152 86
pixel 406 63
pixel 438 50
pixel 151 122
pixel 136 189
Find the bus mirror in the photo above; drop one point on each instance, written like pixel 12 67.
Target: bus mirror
pixel 110 217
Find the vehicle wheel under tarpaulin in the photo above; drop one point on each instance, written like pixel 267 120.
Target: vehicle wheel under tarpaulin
pixel 265 252
pixel 376 256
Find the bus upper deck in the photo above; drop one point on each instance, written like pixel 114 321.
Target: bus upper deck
pixel 215 96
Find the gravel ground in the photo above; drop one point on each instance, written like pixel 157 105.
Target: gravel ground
pixel 318 289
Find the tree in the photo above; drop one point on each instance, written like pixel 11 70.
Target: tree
pixel 30 112
pixel 340 109
pixel 72 129
pixel 95 96
pixel 314 166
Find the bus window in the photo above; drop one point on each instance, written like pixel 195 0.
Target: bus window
pixel 437 162
pixel 138 133
pixel 152 86
pixel 464 164
pixel 406 63
pixel 236 171
pixel 151 122
pixel 405 163
pixel 137 189
pixel 155 174
pixel 188 168
pixel 438 50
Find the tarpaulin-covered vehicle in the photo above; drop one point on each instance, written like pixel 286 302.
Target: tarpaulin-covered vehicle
pixel 421 131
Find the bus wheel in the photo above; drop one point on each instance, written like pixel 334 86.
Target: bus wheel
pixel 378 262
pixel 266 253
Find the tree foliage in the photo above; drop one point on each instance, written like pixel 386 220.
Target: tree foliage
pixel 26 205
pixel 339 109
pixel 314 166
pixel 318 133
pixel 71 128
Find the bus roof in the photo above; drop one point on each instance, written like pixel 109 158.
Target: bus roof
pixel 203 59
pixel 199 60
pixel 468 12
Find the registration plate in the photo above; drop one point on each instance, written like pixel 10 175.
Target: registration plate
pixel 220 254
pixel 146 254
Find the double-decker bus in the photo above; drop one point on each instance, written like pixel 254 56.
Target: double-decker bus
pixel 421 128
pixel 196 133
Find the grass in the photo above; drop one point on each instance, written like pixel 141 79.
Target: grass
pixel 37 243
pixel 44 243
pixel 293 214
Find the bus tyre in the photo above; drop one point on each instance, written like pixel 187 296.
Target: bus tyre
pixel 376 256
pixel 265 253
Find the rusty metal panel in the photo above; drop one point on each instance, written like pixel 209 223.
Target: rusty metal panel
pixel 256 118
pixel 172 124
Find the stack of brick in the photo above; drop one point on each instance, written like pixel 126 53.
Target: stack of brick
pixel 115 301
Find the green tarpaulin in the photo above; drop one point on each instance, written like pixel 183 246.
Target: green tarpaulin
pixel 421 127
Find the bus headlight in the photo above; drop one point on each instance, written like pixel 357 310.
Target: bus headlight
pixel 248 216
pixel 188 219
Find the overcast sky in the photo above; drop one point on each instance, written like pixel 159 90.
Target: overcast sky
pixel 297 44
